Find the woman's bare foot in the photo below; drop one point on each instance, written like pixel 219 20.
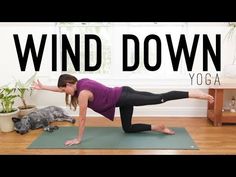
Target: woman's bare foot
pixel 201 95
pixel 161 128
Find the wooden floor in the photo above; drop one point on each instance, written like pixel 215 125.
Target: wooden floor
pixel 210 140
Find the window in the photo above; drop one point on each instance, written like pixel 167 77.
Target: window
pixel 111 35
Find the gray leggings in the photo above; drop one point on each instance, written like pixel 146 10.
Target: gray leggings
pixel 130 98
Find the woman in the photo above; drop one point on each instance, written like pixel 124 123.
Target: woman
pixel 103 100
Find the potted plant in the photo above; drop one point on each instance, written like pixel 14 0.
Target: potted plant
pixel 7 98
pixel 22 88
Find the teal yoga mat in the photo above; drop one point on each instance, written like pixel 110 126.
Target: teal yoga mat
pixel 114 138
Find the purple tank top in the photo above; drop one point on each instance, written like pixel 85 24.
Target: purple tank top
pixel 105 98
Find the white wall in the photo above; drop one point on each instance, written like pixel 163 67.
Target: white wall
pixel 9 68
pixel 9 64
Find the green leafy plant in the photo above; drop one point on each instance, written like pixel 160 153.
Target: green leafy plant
pixel 7 97
pixel 22 87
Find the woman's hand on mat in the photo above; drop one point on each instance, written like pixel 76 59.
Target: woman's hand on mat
pixel 71 142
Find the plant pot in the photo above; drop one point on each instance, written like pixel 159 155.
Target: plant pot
pixel 6 123
pixel 23 111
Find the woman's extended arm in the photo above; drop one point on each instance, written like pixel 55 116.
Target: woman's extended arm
pixel 83 104
pixel 39 86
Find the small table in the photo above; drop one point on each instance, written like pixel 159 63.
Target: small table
pixel 214 111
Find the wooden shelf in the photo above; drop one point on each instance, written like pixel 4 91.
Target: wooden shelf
pixel 214 111
pixel 229 117
pixel 210 115
pixel 229 114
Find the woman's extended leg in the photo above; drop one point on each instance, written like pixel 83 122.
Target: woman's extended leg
pixel 132 97
pixel 200 95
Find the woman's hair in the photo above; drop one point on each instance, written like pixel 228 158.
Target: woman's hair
pixel 62 81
